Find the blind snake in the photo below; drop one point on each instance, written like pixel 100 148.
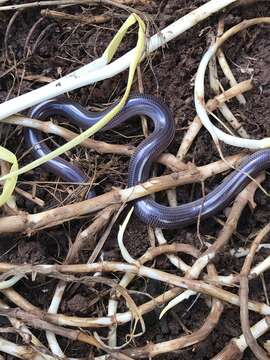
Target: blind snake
pixel 148 210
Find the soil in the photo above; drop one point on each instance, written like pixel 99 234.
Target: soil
pixel 63 47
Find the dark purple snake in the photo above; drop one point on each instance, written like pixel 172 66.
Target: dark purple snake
pixel 148 210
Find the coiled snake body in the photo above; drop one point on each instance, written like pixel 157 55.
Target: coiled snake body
pixel 148 210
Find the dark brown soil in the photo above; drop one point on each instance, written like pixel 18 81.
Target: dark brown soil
pixel 169 75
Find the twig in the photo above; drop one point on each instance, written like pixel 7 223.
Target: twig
pixel 11 22
pixel 117 211
pixel 26 49
pixel 34 199
pixel 152 350
pixel 68 2
pixel 211 105
pixel 87 236
pixel 82 19
pixel 246 196
pixel 21 329
pixel 41 36
pixel 36 78
pixel 119 319
pixel 22 352
pixel 228 73
pixel 233 279
pixel 174 280
pixel 208 326
pixel 118 356
pixel 224 64
pixel 29 223
pixel 243 295
pixel 37 323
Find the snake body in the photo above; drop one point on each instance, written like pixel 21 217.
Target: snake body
pixel 148 210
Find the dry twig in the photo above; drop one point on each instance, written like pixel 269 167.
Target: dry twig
pixel 243 295
pixel 211 105
pixel 37 323
pixel 245 197
pixel 82 19
pixel 29 223
pixel 22 351
pixel 197 286
pixel 119 3
pixel 224 64
pixel 151 350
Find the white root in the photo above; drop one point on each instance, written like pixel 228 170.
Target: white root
pixel 261 267
pixel 257 330
pixel 5 284
pixel 22 352
pixel 53 308
pixel 177 300
pixel 122 228
pixel 215 132
pixel 99 69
